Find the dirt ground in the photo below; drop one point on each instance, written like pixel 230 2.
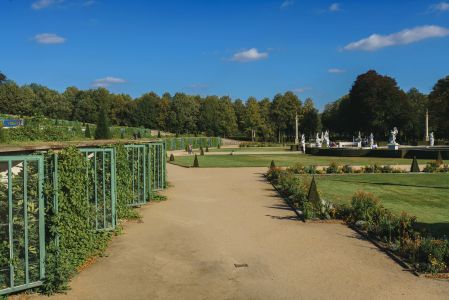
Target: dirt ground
pixel 188 248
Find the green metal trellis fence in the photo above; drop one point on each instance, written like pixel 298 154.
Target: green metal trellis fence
pixel 137 162
pixel 157 155
pixel 101 186
pixel 22 232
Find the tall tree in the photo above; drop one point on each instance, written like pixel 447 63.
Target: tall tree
pixel 310 122
pixel 102 132
pixel 252 118
pixel 377 104
pixel 439 107
pixel 283 112
pixel 184 111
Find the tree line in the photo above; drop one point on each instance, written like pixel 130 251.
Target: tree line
pixel 270 119
pixel 375 104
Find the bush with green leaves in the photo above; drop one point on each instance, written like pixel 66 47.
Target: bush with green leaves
pixel 71 240
pixel 196 164
pixel 333 168
pixel 347 169
pixel 297 168
pixel 3 134
pixel 102 132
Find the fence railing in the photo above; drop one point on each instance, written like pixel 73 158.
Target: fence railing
pixel 22 228
pixel 138 164
pixel 22 204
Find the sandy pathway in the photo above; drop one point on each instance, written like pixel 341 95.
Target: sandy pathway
pixel 186 248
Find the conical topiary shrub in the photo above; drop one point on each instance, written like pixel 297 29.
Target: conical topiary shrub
pixel 102 132
pixel 207 149
pixel 201 151
pixel 87 133
pixel 218 146
pixel 195 162
pixel 172 157
pixel 415 167
pixel 187 148
pixel 272 165
pixel 158 134
pixel 3 134
pixel 439 158
pixel 313 197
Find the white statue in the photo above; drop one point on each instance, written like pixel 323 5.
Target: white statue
pixel 431 139
pixel 318 140
pixel 393 135
pixel 326 139
pixel 371 140
pixel 303 143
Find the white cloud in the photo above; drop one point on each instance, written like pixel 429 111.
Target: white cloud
pixel 301 90
pixel 336 70
pixel 249 55
pixel 287 3
pixel 407 36
pixel 442 6
pixel 40 4
pixel 49 38
pixel 334 7
pixel 107 81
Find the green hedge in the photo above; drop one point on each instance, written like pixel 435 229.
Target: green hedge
pixel 180 143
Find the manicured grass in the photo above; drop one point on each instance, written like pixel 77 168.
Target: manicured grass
pixel 425 196
pixel 251 149
pixel 263 160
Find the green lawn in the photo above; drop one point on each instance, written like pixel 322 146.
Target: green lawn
pixel 251 149
pixel 263 160
pixel 425 196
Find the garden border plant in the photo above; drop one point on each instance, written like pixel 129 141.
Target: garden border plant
pixel 396 234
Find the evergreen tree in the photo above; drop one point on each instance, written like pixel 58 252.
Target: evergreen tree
pixel 102 132
pixel 195 162
pixel 272 165
pixel 139 134
pixel 201 151
pixel 158 134
pixel 172 157
pixel 3 134
pixel 207 148
pixel 313 196
pixel 439 158
pixel 87 132
pixel 415 167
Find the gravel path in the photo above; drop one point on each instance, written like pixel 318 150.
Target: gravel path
pixel 188 246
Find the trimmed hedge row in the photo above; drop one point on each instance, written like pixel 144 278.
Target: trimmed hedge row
pixel 401 153
pixel 181 143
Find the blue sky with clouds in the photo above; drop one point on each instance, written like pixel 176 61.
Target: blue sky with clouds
pixel 236 48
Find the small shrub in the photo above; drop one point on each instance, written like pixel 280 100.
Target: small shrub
pixel 310 169
pixel 431 167
pixel 365 207
pixel 3 134
pixel 219 146
pixel 87 133
pixel 207 149
pixel 439 160
pixel 201 151
pixel 102 132
pixel 333 168
pixel 415 167
pixel 313 195
pixel 347 169
pixel 172 157
pixel 444 169
pixel 297 168
pixel 387 169
pixel 195 162
pixel 272 164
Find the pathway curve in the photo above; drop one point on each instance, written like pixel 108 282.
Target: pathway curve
pixel 188 246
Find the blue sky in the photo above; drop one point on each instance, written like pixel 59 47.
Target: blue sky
pixel 235 48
